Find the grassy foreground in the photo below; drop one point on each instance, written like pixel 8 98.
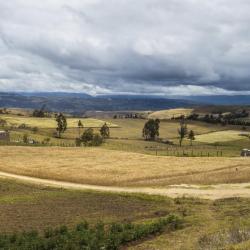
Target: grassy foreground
pixel 54 213
pixel 115 168
pixel 98 237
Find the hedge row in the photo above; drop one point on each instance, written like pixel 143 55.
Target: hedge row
pixel 99 237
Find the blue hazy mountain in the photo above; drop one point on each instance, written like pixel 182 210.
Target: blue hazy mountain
pixel 219 99
pixel 79 102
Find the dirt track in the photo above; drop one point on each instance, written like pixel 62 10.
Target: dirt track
pixel 207 192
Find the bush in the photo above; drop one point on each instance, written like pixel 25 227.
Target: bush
pixel 25 138
pixel 97 140
pixel 85 237
pixel 89 138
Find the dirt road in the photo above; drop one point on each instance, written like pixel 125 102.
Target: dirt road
pixel 207 192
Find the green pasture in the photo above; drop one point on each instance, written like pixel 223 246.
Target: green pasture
pixel 46 123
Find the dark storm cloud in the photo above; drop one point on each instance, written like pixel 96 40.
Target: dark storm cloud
pixel 145 46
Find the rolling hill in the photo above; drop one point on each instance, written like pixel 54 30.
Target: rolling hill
pixel 79 103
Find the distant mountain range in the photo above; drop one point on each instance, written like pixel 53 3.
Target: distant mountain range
pixel 220 99
pixel 79 103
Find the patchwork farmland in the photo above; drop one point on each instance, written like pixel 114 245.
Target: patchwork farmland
pixel 127 178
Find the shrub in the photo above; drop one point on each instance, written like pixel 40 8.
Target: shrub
pixel 89 138
pixel 82 226
pixel 97 140
pixel 25 138
pixel 85 237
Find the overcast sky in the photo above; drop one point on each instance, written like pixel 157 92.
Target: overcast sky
pixel 170 47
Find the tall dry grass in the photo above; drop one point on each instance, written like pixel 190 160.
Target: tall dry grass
pixel 106 167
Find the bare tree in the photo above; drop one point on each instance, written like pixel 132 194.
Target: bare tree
pixel 182 131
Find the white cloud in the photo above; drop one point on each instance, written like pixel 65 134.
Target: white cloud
pixel 99 46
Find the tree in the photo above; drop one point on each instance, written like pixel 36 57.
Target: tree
pixel 191 137
pixel 151 129
pixel 80 125
pixel 39 112
pixel 182 131
pixel 61 124
pixel 87 136
pixel 104 131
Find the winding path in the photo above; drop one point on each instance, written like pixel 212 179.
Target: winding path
pixel 212 192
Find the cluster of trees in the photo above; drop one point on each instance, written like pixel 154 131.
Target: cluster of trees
pixel 232 118
pixel 83 236
pixel 128 116
pixel 40 112
pixel 88 137
pixel 152 126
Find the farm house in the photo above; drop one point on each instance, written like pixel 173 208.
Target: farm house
pixel 4 136
pixel 245 153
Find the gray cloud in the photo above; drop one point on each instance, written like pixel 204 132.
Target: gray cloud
pixel 145 46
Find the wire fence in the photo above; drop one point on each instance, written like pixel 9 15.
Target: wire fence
pixel 186 153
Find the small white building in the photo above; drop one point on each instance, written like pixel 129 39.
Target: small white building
pixel 4 136
pixel 245 152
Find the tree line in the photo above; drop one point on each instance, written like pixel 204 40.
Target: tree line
pixel 232 118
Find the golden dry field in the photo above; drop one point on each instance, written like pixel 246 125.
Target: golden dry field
pixel 132 128
pixel 115 168
pixel 221 136
pixel 170 113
